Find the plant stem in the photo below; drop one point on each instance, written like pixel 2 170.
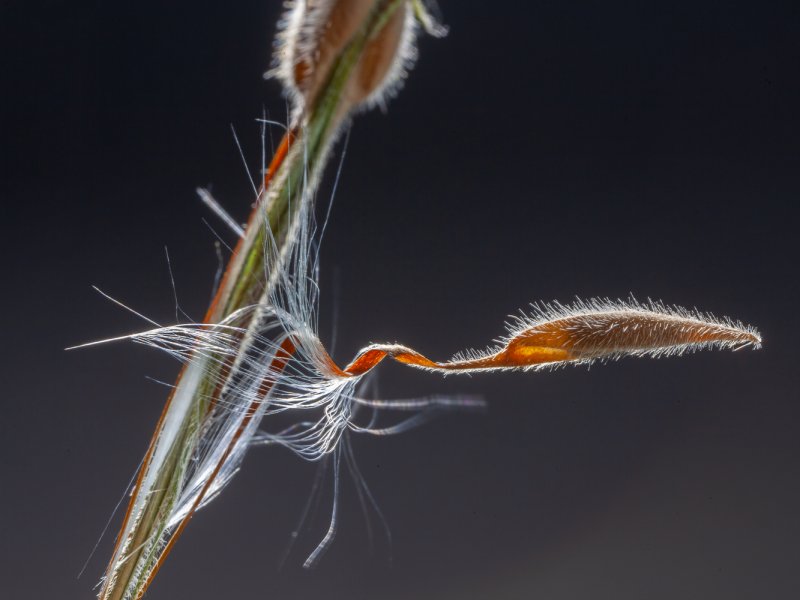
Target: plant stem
pixel 145 538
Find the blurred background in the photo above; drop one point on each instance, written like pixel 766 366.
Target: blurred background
pixel 543 150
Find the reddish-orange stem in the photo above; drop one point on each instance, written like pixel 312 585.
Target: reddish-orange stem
pixel 274 165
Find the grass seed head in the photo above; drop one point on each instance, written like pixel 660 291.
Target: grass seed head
pixel 316 32
pixel 607 330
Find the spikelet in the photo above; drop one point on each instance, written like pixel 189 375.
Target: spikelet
pixel 604 329
pixel 316 32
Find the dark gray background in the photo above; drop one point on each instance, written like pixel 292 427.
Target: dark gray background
pixel 543 150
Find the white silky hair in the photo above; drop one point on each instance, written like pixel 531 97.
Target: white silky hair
pixel 299 32
pixel 266 380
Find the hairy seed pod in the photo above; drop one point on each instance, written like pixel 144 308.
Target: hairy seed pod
pixel 555 335
pixel 624 329
pixel 316 32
